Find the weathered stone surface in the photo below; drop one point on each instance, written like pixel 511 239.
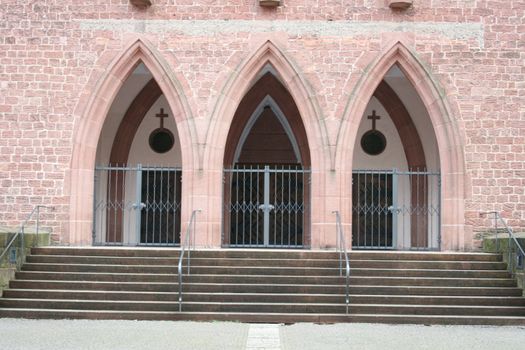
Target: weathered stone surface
pixel 501 245
pixel 59 71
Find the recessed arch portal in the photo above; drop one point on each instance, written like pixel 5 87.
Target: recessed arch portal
pixel 266 162
pixel 92 113
pixel 448 141
pixel 395 197
pixel 138 187
pixel 269 106
pixel 267 89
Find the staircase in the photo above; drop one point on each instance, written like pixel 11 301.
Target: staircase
pixel 265 286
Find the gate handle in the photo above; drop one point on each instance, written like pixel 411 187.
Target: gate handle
pixel 392 209
pixel 266 207
pixel 139 206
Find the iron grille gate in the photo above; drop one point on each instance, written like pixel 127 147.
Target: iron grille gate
pixel 266 206
pixel 396 210
pixel 137 205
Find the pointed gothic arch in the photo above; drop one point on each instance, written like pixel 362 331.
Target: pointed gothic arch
pixel 268 72
pixel 92 114
pixel 267 103
pixel 238 85
pixel 449 140
pixel 267 88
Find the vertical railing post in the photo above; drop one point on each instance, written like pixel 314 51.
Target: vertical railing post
pixel 496 230
pixel 188 232
pixel 95 190
pixel 510 252
pixel 184 246
pixel 395 209
pixel 22 246
pixel 339 245
pixel 266 205
pixel 138 204
pixel 37 225
pixel 189 256
pixel 194 229
pixel 439 211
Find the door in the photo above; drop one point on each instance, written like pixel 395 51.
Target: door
pixel 396 209
pixel 137 205
pixel 160 211
pixel 265 206
pixel 372 203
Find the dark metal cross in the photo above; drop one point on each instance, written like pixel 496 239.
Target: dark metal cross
pixel 161 115
pixel 374 117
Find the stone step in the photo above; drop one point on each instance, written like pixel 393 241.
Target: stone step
pixel 261 297
pixel 269 279
pixel 265 288
pixel 265 253
pixel 197 270
pixel 259 285
pixel 172 306
pixel 240 263
pixel 158 269
pixel 262 317
pixel 264 307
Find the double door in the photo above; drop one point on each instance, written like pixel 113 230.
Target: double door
pixel 265 206
pixel 137 206
pixel 396 209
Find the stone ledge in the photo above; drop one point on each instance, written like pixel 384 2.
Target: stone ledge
pixel 489 246
pixel 44 236
pixel 6 274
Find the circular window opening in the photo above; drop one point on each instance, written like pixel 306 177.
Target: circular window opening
pixel 161 140
pixel 373 142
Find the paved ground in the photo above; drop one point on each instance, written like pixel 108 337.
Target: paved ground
pixel 100 335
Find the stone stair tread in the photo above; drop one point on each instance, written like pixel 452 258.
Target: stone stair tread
pixel 248 259
pixel 342 304
pixel 255 313
pixel 172 302
pixel 267 294
pixel 392 296
pixel 274 317
pixel 272 276
pixel 265 284
pixel 261 285
pixel 162 293
pixel 185 266
pixel 241 251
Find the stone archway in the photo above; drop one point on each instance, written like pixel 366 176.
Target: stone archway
pixel 232 92
pixel 449 142
pixel 92 114
pixel 267 85
pixel 267 162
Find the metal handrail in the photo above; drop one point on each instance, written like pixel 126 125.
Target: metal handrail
pixel 187 243
pixel 512 237
pixel 341 248
pixel 20 231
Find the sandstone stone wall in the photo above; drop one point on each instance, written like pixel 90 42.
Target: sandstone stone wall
pixel 55 56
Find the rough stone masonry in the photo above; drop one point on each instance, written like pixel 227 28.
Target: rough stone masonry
pixel 59 72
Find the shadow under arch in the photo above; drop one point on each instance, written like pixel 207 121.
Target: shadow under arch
pixel 241 81
pixel 449 141
pixel 267 85
pixel 93 114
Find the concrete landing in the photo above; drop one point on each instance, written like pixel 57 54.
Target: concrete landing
pixel 159 335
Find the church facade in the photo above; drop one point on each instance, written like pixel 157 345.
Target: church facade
pixel 268 120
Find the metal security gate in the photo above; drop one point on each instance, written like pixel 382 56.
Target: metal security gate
pixel 266 206
pixel 137 206
pixel 396 210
